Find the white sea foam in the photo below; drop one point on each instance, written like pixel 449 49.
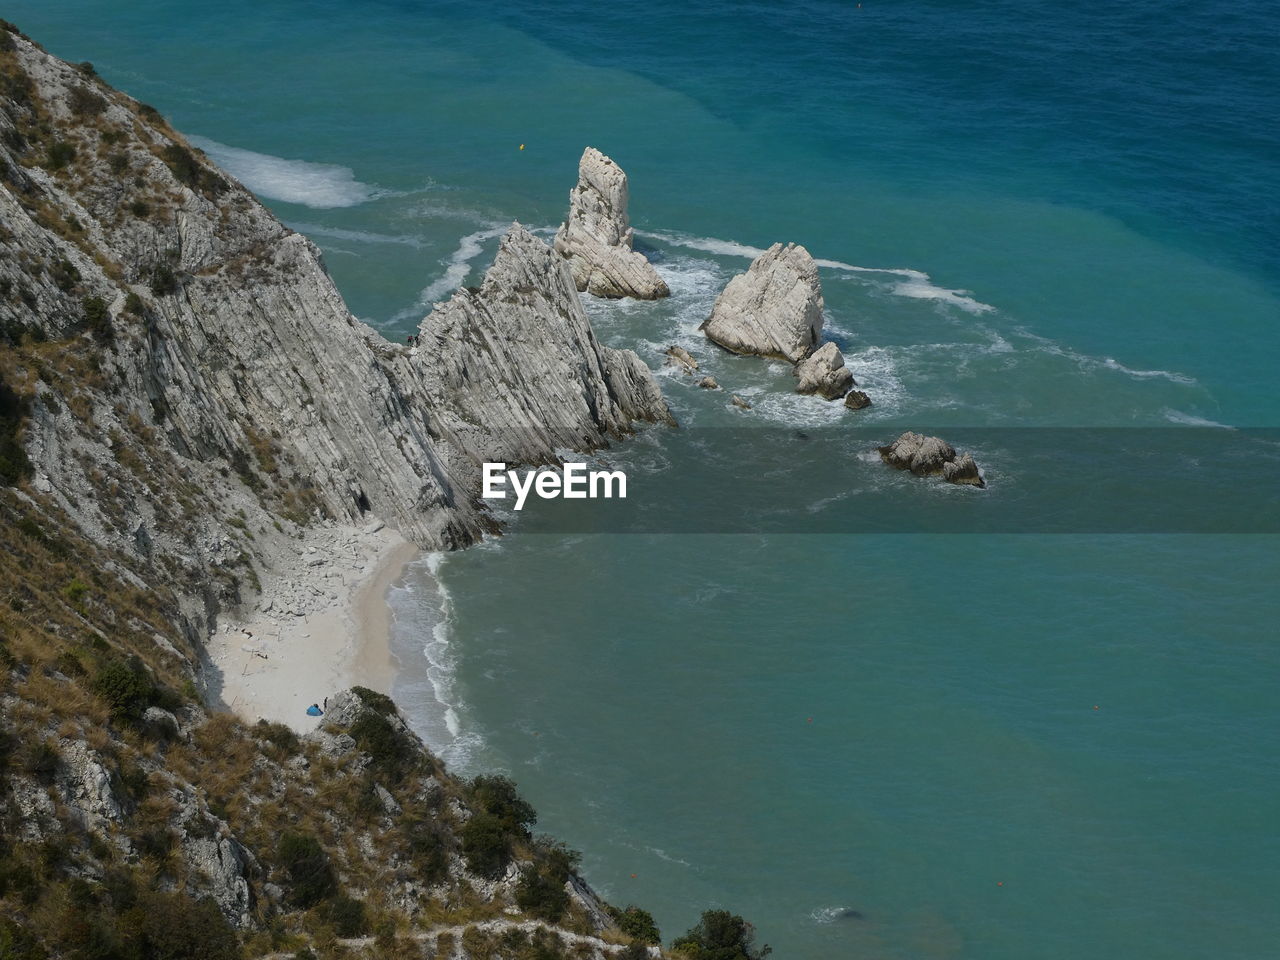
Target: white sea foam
pixel 832 914
pixel 355 236
pixel 457 265
pixel 1191 420
pixel 318 185
pixel 1169 375
pixel 915 284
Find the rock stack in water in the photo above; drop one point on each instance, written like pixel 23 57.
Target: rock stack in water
pixel 931 457
pixel 775 310
pixel 772 310
pixel 513 371
pixel 596 238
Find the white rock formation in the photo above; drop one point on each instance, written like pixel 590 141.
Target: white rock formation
pixel 772 310
pixel 513 370
pixel 823 372
pixel 596 238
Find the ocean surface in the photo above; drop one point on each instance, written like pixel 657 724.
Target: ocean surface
pixel 1031 214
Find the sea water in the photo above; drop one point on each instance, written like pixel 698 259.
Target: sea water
pixel 1029 214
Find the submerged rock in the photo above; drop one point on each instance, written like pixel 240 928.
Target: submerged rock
pixel 709 383
pixel 772 310
pixel 823 372
pixel 597 236
pixel 679 356
pixel 741 404
pixel 856 400
pixel 931 457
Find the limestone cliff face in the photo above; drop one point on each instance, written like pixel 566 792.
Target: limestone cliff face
pixel 772 310
pixel 187 390
pixel 226 364
pixel 596 238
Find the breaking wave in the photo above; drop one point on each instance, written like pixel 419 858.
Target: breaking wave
pixel 317 185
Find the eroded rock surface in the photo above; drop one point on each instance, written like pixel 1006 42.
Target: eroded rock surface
pixel 772 310
pixel 823 372
pixel 597 237
pixel 931 457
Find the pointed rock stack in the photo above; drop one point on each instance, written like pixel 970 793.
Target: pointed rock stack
pixel 596 238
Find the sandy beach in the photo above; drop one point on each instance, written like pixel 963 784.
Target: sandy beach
pixel 321 625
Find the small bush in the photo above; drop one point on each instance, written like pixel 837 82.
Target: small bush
pixel 133 305
pixel 427 847
pixel 390 752
pixel 486 845
pixel 126 687
pixel 41 760
pixel 65 275
pixel 720 935
pixel 638 923
pixel 14 463
pixel 118 162
pixel 17 943
pixel 346 915
pixel 190 172
pixel 538 894
pixel 98 319
pixel 60 155
pixel 278 735
pixel 84 102
pixel 164 282
pixel 307 865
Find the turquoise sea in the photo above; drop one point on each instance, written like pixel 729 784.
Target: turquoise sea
pixel 929 745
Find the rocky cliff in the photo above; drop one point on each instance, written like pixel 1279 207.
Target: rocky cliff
pixel 182 391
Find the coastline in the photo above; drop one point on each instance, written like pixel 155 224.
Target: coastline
pixel 320 625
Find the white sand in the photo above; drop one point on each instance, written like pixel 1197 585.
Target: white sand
pixel 320 626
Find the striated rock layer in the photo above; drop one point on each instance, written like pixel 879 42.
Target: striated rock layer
pixel 596 238
pixel 772 310
pixel 221 383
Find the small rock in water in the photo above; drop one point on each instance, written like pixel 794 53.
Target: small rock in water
pixel 679 356
pixel 823 372
pixel 740 403
pixel 708 383
pixel 931 457
pixel 856 400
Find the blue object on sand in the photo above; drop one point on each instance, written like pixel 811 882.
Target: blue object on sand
pixel 314 711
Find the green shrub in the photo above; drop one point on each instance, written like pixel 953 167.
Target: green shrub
pixel 374 700
pixel 720 935
pixel 637 923
pixel 497 796
pixel 539 895
pixel 172 926
pixel 346 915
pixel 307 866
pixel 486 845
pixel 164 282
pixel 427 847
pixel 390 751
pixel 126 687
pixel 16 943
pixel 84 102
pixel 59 155
pixel 14 463
pixel 64 274
pixel 41 760
pixel 98 319
pixel 133 305
pixel 278 735
pixel 190 172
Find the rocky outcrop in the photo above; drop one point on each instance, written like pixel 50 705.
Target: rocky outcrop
pixel 511 370
pixel 225 356
pixel 856 400
pixel 772 310
pixel 679 356
pixel 597 236
pixel 709 383
pixel 741 404
pixel 931 457
pixel 823 372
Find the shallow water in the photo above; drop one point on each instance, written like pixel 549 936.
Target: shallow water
pixel 1030 214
